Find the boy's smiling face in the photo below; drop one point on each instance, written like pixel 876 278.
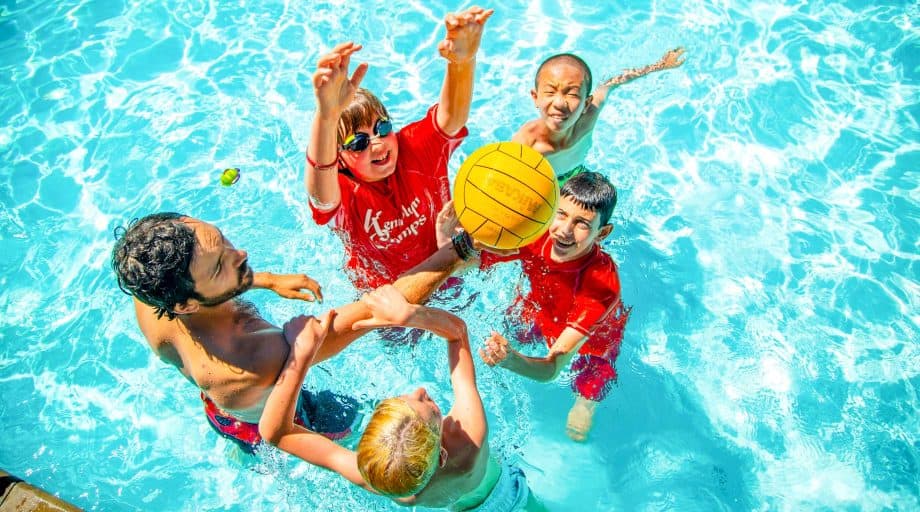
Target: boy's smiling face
pixel 377 161
pixel 574 231
pixel 561 94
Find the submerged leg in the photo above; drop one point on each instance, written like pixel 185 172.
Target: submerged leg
pixel 580 419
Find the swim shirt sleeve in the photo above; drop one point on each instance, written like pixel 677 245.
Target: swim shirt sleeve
pixel 346 188
pixel 424 144
pixel 596 297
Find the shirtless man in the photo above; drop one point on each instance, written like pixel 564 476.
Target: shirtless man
pixel 185 277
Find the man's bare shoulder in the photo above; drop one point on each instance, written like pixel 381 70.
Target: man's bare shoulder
pixel 160 333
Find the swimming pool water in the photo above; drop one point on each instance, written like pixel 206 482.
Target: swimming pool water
pixel 767 237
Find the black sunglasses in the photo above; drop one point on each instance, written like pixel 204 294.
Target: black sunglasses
pixel 359 141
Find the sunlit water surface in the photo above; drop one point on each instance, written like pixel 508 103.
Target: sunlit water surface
pixel 767 236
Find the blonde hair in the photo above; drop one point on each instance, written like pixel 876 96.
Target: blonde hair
pixel 398 451
pixel 363 111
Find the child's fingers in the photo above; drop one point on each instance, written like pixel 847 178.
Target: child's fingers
pixel 341 47
pixel 326 62
pixel 486 357
pixel 358 75
pixel 326 321
pixel 321 77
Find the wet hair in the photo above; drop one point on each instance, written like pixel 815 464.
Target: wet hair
pixel 363 111
pixel 151 260
pixel 592 191
pixel 570 58
pixel 398 451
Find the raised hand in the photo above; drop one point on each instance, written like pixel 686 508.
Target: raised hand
pixel 447 224
pixel 289 286
pixel 388 308
pixel 333 89
pixel 464 32
pixel 495 350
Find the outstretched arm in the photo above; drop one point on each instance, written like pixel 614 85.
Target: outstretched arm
pixel 459 47
pixel 671 59
pixel 543 369
pixel 334 91
pixel 277 423
pixel 289 286
pixel 416 286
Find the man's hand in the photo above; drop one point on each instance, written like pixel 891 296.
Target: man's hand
pixel 388 308
pixel 334 90
pixel 305 333
pixel 464 32
pixel 289 286
pixel 495 351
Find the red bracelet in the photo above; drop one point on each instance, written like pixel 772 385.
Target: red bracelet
pixel 334 164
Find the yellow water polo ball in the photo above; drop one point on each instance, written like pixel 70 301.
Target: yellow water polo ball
pixel 505 195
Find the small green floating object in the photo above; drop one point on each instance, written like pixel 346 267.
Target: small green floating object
pixel 230 176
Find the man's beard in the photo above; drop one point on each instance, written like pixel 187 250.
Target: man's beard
pixel 245 283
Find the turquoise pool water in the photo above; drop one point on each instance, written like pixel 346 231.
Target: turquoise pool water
pixel 767 236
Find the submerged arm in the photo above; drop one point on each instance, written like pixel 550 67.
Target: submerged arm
pixel 543 369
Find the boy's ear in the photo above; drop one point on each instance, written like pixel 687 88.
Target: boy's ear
pixel 186 308
pixel 588 100
pixel 533 94
pixel 605 230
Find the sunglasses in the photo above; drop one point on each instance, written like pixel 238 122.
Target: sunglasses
pixel 359 141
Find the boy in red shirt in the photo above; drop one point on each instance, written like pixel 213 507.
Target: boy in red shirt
pixel 382 190
pixel 574 300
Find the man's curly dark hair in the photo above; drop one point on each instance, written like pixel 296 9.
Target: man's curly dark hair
pixel 151 260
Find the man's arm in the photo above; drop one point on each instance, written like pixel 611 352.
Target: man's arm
pixel 543 369
pixel 459 47
pixel 416 286
pixel 289 286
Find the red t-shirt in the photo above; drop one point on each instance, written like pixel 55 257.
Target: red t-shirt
pixel 583 294
pixel 388 226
